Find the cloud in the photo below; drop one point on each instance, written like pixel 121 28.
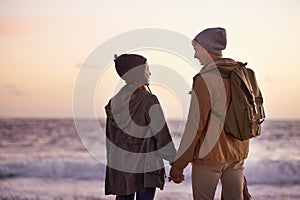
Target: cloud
pixel 81 65
pixel 15 25
pixel 25 25
pixel 267 79
pixel 12 89
pixel 20 26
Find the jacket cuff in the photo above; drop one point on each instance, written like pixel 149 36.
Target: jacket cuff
pixel 180 164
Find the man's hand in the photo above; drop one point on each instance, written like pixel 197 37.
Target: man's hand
pixel 176 175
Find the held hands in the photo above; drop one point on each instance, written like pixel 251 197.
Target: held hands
pixel 176 175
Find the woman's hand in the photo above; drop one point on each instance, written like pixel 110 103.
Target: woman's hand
pixel 176 175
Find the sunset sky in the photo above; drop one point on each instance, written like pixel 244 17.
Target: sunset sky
pixel 44 43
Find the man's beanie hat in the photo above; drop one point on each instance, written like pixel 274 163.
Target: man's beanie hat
pixel 213 40
pixel 126 62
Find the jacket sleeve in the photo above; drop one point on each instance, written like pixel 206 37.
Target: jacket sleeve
pixel 164 143
pixel 196 122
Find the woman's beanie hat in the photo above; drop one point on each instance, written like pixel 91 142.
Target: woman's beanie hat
pixel 213 40
pixel 126 62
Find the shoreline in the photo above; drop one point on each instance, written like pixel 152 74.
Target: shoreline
pixel 69 189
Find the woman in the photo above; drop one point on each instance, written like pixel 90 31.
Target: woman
pixel 137 136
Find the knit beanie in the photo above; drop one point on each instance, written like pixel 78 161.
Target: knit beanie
pixel 126 62
pixel 213 40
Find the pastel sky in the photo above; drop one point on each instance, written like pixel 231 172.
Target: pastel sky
pixel 44 43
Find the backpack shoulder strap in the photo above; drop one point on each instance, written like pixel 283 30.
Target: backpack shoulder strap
pixel 241 71
pixel 249 86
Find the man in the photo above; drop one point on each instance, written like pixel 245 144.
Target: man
pixel 214 154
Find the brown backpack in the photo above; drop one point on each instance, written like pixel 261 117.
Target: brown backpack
pixel 245 111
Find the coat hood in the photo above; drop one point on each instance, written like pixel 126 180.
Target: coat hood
pixel 124 105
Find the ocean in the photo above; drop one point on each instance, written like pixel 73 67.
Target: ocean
pixel 45 159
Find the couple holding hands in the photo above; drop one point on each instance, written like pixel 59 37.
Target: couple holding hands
pixel 138 138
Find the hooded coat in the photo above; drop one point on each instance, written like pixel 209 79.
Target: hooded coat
pixel 138 140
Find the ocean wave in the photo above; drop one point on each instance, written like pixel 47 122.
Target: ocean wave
pixel 53 168
pixel 257 172
pixel 273 172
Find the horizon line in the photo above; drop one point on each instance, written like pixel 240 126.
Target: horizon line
pixel 103 118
